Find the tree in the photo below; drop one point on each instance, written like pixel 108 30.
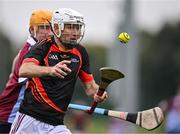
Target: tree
pixel 160 66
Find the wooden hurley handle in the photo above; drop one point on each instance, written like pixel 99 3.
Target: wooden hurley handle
pixel 108 75
pixel 94 105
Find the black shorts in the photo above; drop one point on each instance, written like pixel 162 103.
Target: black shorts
pixel 5 127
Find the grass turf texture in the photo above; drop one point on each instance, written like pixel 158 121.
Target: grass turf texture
pixel 100 124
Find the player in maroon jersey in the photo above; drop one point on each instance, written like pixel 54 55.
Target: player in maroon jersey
pixel 53 67
pixel 13 93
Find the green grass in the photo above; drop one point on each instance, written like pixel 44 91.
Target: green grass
pixel 100 124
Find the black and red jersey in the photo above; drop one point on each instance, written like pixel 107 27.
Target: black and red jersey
pixel 47 98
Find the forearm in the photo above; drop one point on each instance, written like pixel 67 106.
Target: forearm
pixel 91 88
pixel 32 70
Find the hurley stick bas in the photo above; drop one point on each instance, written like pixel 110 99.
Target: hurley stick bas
pixel 148 119
pixel 108 75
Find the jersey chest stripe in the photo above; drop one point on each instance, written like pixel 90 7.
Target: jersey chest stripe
pixel 44 95
pixel 35 93
pixel 31 60
pixel 52 49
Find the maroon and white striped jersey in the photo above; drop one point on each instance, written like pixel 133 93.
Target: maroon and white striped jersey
pixel 13 92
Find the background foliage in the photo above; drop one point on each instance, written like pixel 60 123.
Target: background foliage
pixel 159 59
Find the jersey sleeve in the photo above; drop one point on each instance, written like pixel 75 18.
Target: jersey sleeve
pixel 85 72
pixel 36 54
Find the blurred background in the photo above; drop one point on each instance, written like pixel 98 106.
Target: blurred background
pixel 149 61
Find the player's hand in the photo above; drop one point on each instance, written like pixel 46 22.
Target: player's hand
pixel 102 98
pixel 60 69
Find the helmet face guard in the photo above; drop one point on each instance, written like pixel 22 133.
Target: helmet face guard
pixel 42 30
pixel 67 19
pixel 39 21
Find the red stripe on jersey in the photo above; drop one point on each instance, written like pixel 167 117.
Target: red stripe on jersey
pixel 85 77
pixel 44 95
pixel 17 123
pixel 53 48
pixel 31 60
pixel 35 93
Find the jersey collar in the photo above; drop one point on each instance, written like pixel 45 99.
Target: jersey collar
pixel 31 40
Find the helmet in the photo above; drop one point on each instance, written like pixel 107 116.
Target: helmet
pixel 67 16
pixel 40 17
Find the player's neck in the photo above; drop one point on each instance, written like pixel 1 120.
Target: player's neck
pixel 60 46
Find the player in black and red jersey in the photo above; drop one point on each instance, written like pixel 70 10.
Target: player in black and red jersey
pixel 53 67
pixel 13 93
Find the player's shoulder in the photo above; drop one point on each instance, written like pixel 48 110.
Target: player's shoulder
pixel 81 48
pixel 25 45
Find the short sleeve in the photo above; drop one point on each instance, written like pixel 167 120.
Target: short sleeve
pixel 37 53
pixel 85 72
